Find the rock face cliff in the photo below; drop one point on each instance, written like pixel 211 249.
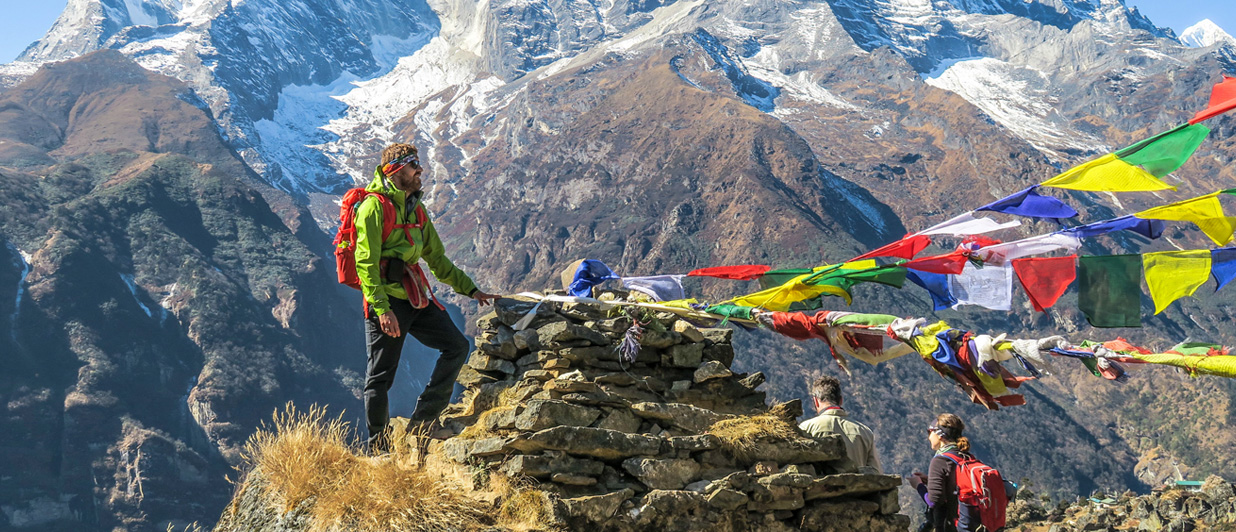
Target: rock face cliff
pixel 672 441
pixel 155 293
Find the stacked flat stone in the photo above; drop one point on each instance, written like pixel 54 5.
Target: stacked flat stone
pixel 1212 506
pixel 624 446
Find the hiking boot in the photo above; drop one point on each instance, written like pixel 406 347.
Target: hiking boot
pixel 379 447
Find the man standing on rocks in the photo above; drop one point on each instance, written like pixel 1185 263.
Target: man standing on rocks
pixel 398 300
pixel 832 419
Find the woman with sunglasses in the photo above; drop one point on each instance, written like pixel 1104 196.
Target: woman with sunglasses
pixel 939 486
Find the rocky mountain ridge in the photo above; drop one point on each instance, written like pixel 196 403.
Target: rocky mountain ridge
pixel 163 295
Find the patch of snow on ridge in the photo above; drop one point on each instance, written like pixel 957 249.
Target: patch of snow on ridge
pixel 374 106
pixel 16 72
pixel 166 53
pixel 138 14
pixel 1206 33
pixel 665 19
pixel 287 138
pixel 129 282
pixel 295 137
pixel 25 259
pixel 1015 97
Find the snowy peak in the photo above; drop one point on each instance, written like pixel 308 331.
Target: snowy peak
pixel 1206 33
pixel 928 32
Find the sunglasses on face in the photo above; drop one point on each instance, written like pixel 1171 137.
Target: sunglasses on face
pixel 398 164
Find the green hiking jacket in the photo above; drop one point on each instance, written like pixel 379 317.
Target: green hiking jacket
pixel 425 245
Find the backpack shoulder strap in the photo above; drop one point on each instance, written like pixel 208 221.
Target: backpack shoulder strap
pixel 961 459
pixel 421 217
pixel 388 213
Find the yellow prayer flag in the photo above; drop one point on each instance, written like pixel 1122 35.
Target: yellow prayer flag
pixel 865 264
pixel 679 303
pixel 779 298
pixel 1172 275
pixel 1107 174
pixel 795 290
pixel 1221 366
pixel 1204 211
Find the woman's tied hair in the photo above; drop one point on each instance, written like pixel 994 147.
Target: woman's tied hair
pixel 950 428
pixel 396 156
pixel 827 389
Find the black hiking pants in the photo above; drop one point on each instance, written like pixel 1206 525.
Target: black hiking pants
pixel 430 326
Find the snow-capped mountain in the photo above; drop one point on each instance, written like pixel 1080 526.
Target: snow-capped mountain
pixel 1206 33
pixel 306 90
pixel 243 58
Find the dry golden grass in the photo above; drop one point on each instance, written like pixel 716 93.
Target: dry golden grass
pixel 480 429
pixel 740 435
pixel 507 401
pixel 305 460
pixel 528 509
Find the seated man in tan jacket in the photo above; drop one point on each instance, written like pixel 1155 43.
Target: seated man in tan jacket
pixel 859 440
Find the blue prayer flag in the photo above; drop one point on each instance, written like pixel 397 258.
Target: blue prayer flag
pixel 1030 203
pixel 590 273
pixel 1148 228
pixel 1223 265
pixel 936 284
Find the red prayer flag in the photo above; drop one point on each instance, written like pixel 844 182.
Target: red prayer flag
pixel 745 272
pixel 1120 344
pixel 948 264
pixel 906 248
pixel 1222 100
pixel 800 326
pixel 1045 279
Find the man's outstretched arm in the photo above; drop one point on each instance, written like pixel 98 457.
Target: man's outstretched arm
pixel 434 254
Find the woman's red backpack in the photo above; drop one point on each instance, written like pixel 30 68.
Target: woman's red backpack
pixel 981 486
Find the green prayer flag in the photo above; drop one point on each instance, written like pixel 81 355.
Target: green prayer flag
pixel 776 278
pixel 1109 290
pixel 846 278
pixel 730 311
pixel 1162 154
pixel 780 277
pixel 1196 348
pixel 870 320
pixel 1092 364
pixel 892 275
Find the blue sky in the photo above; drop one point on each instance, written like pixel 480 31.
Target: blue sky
pixel 24 21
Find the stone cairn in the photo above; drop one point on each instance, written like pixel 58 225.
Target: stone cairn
pixel 623 446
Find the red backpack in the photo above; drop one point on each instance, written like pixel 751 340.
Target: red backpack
pixel 981 486
pixel 415 283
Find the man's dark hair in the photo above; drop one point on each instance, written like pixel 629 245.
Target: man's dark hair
pixel 395 151
pixel 827 389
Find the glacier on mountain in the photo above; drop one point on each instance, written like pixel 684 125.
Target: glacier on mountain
pixel 1016 97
